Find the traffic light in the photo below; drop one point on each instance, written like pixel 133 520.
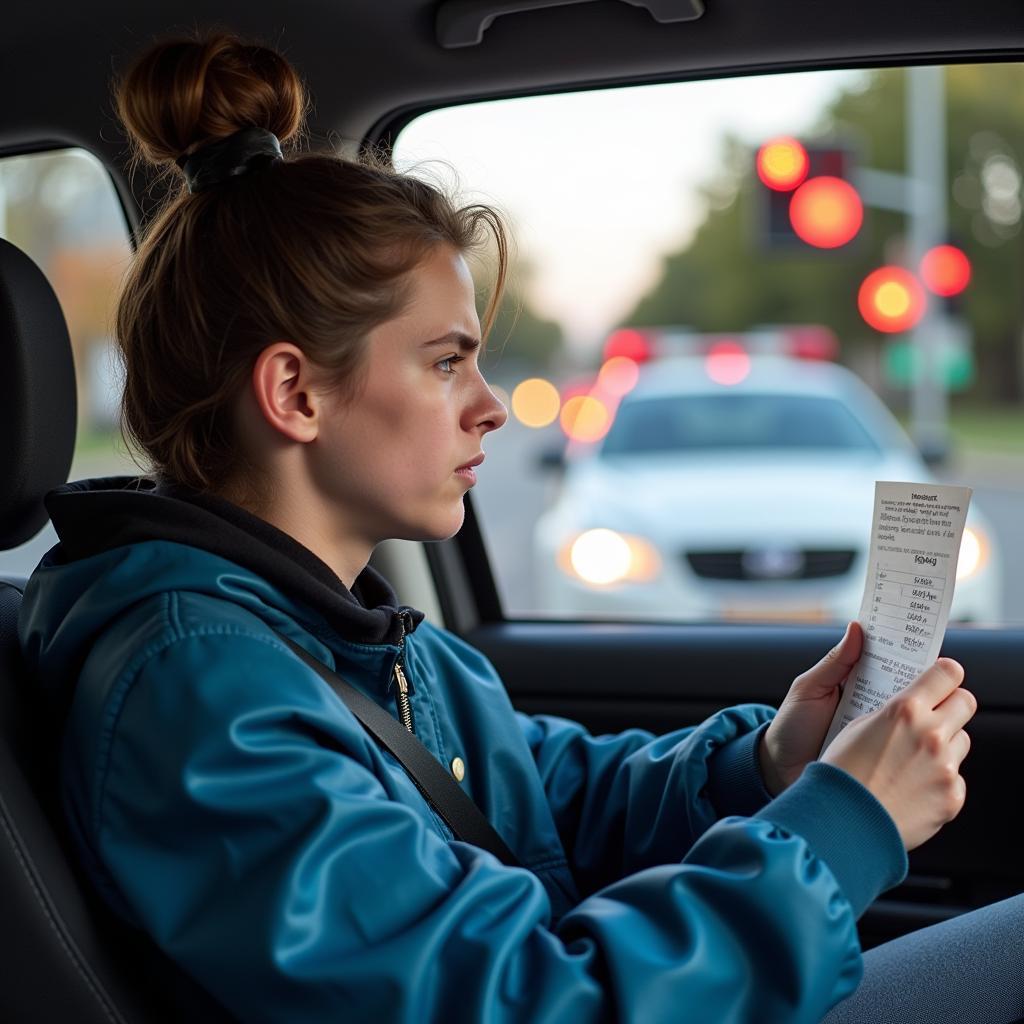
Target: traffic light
pixel 946 270
pixel 891 300
pixel 806 200
pixel 782 164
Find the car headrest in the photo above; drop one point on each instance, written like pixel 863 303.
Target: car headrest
pixel 38 404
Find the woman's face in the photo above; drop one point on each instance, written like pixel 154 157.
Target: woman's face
pixel 389 457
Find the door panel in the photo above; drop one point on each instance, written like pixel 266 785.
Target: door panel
pixel 661 677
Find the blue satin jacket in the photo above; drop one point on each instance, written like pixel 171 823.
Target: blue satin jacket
pixel 225 801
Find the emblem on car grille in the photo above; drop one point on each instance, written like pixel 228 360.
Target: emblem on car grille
pixel 772 563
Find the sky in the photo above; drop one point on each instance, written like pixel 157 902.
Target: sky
pixel 600 185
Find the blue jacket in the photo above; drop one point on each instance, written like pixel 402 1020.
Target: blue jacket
pixel 226 801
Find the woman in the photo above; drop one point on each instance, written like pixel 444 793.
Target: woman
pixel 300 339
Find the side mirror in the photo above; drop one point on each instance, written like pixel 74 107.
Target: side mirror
pixel 552 460
pixel 935 453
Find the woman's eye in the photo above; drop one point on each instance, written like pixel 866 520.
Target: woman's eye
pixel 447 365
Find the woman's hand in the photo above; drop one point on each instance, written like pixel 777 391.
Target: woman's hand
pixel 908 752
pixel 798 730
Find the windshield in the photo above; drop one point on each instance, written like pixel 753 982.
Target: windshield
pixel 705 422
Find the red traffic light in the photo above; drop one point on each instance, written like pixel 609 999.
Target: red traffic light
pixel 891 299
pixel 782 164
pixel 946 270
pixel 826 212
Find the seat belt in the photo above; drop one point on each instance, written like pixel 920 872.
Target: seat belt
pixel 441 791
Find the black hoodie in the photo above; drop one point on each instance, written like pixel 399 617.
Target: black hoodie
pixel 93 516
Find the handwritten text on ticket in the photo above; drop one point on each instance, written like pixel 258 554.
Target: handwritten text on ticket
pixel 915 541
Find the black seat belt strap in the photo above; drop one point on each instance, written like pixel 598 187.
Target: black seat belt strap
pixel 441 791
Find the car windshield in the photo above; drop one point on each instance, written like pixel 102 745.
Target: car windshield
pixel 705 422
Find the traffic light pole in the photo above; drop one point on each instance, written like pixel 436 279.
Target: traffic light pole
pixel 926 164
pixel 921 195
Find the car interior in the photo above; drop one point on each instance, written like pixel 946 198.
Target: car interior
pixel 372 69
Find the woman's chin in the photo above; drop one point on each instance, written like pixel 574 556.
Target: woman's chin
pixel 441 528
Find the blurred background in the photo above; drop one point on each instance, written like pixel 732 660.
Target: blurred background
pixel 734 305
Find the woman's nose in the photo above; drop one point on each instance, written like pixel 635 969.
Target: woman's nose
pixel 491 413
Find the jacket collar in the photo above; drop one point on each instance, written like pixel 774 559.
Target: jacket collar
pixel 93 516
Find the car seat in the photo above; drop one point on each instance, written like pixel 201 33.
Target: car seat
pixel 65 957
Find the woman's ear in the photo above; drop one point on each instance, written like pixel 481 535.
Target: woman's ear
pixel 281 379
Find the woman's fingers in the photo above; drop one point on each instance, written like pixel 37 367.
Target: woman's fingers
pixel 958 709
pixel 835 666
pixel 936 683
pixel 959 746
pixel 908 753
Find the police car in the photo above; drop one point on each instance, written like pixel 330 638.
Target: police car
pixel 737 487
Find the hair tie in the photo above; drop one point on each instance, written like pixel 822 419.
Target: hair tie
pixel 236 154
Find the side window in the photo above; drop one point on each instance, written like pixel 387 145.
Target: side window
pixel 62 210
pixel 740 303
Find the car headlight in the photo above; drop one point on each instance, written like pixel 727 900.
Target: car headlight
pixel 974 549
pixel 604 557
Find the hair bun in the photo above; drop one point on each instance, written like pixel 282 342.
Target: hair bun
pixel 183 93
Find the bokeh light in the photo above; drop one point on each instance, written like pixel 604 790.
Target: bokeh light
pixel 891 299
pixel 727 362
pixel 618 376
pixel 628 342
pixel 973 553
pixel 535 402
pixel 585 418
pixel 812 341
pixel 826 212
pixel 782 164
pixel 602 557
pixel 946 270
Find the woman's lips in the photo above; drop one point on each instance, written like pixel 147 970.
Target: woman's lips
pixel 467 471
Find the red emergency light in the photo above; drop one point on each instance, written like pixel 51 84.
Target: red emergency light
pixel 628 342
pixel 727 362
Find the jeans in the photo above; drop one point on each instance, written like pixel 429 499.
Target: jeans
pixel 968 970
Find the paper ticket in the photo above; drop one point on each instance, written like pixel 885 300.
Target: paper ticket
pixel 915 542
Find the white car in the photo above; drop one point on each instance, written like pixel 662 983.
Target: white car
pixel 745 501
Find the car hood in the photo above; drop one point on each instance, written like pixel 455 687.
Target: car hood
pixel 724 497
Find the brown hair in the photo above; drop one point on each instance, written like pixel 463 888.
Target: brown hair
pixel 313 249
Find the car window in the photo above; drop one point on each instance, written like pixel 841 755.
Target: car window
pixel 695 423
pixel 61 208
pixel 735 305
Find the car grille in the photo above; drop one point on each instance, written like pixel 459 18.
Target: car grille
pixel 808 564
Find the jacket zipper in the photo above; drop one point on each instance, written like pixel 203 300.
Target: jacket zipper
pixel 402 691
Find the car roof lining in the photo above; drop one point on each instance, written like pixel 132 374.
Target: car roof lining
pixel 371 64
